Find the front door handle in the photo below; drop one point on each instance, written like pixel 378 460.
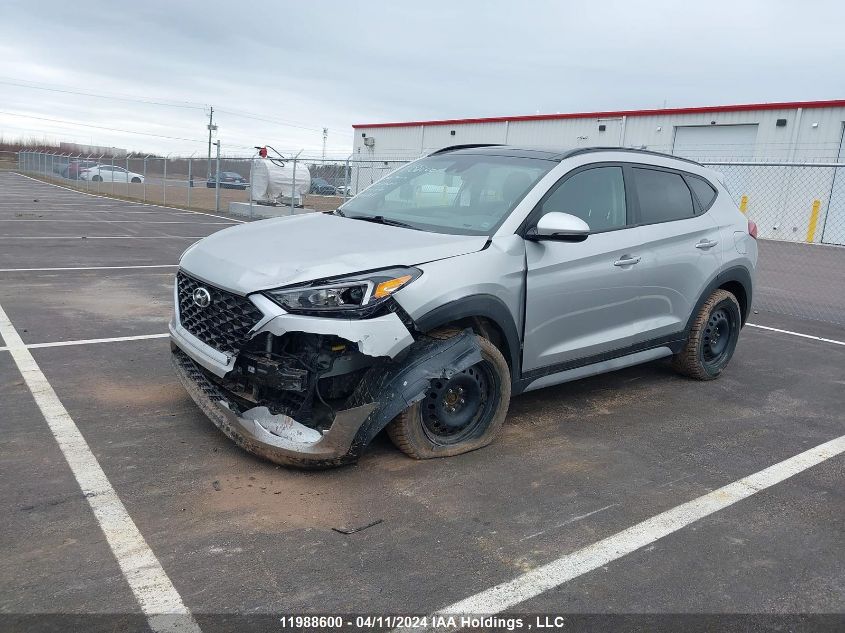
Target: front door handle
pixel 627 260
pixel 705 244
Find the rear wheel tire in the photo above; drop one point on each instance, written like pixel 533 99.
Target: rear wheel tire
pixel 97 179
pixel 712 338
pixel 458 414
pixel 136 180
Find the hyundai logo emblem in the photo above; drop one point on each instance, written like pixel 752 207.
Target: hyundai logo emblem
pixel 202 298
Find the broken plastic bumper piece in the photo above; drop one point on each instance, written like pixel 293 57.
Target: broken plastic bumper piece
pixel 384 392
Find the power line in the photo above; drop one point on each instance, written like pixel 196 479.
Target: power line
pixel 100 127
pixel 257 117
pixel 177 104
pixel 73 91
pixel 120 130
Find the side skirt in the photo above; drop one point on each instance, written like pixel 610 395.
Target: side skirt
pixel 599 368
pixel 600 363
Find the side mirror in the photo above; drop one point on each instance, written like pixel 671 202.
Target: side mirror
pixel 560 226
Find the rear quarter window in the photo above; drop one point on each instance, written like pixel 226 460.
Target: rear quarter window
pixel 703 190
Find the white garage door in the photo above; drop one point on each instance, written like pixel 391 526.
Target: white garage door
pixel 715 141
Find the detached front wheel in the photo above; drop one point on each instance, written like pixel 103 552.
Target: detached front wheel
pixel 458 414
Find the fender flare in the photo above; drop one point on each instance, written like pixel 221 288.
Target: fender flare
pixel 487 306
pixel 395 386
pixel 738 274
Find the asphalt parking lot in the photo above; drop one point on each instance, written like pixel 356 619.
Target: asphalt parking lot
pixel 234 535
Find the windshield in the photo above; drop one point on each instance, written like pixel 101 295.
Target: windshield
pixel 451 193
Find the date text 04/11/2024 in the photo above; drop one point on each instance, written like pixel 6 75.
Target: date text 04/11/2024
pixel 430 622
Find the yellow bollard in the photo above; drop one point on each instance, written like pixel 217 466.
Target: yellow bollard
pixel 743 204
pixel 814 219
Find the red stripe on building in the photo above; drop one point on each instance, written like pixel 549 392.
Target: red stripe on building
pixel 789 105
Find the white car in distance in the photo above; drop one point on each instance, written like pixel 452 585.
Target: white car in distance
pixel 110 173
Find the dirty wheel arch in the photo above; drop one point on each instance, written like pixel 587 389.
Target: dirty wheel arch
pixel 459 413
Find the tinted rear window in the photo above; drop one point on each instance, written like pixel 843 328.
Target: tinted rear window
pixel 663 196
pixel 703 191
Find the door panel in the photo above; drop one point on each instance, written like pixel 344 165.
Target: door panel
pixel 578 301
pixel 679 259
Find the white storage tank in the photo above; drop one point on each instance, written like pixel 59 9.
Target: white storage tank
pixel 273 181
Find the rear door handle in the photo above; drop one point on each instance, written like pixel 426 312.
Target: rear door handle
pixel 705 244
pixel 627 260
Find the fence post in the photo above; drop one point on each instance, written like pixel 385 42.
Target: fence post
pixel 357 177
pixel 190 180
pixel 249 188
pixel 346 179
pixel 293 187
pixel 217 178
pixel 112 172
pixel 127 176
pixel 144 198
pixel 164 186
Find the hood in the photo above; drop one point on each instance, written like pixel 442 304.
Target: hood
pixel 295 249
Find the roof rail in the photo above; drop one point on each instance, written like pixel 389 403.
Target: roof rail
pixel 633 150
pixel 453 148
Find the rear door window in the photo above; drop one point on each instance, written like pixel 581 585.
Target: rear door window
pixel 663 196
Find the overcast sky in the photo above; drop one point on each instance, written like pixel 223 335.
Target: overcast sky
pixel 332 64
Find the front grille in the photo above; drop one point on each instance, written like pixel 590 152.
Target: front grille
pixel 224 323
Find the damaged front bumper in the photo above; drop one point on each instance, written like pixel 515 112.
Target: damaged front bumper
pixel 385 390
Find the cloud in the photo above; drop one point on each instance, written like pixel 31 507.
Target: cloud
pixel 332 64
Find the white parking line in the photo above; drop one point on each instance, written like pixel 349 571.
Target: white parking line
pixel 21 270
pixel 146 204
pixel 92 341
pixel 599 554
pixel 112 210
pixel 102 237
pixel 83 221
pixel 156 595
pixel 810 336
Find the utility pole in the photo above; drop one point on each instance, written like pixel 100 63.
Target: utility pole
pixel 325 136
pixel 217 179
pixel 211 128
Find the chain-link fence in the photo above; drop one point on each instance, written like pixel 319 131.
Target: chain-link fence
pixel 189 182
pixel 794 202
pixel 799 208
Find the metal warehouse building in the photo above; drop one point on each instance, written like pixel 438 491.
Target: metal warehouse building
pixel 792 197
pixel 809 129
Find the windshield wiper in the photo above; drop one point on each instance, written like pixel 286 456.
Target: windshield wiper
pixel 380 219
pixel 339 212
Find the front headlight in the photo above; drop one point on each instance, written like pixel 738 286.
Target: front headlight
pixel 344 295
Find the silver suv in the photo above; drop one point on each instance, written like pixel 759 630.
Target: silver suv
pixel 471 275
